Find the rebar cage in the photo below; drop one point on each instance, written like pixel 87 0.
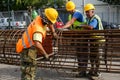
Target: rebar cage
pixel 67 47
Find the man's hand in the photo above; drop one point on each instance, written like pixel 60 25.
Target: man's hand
pixel 55 36
pixel 46 56
pixel 60 29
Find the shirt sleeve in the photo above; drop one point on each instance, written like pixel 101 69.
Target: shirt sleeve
pixel 78 16
pixel 93 23
pixel 37 37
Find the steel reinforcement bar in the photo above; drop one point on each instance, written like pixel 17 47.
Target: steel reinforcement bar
pixel 101 46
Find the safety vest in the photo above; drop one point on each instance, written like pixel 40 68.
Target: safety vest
pixel 76 24
pixel 27 38
pixel 100 27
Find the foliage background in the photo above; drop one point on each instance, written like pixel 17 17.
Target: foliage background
pixel 23 4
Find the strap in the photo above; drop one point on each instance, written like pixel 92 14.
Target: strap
pixel 29 40
pixel 23 43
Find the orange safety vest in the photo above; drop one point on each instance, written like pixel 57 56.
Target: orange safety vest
pixel 27 38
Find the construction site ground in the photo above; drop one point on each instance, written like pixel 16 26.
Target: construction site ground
pixel 11 72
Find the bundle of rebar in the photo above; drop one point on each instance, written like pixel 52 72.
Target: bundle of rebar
pixel 67 47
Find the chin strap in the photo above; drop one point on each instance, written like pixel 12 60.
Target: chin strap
pixel 45 20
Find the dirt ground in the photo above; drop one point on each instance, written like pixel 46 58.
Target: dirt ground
pixel 10 72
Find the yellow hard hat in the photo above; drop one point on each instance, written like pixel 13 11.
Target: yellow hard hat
pixel 88 7
pixel 70 6
pixel 51 14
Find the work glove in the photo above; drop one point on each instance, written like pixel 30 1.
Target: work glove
pixel 55 36
pixel 46 56
pixel 59 29
pixel 49 57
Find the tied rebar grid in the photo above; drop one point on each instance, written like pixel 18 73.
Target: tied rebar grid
pixel 65 47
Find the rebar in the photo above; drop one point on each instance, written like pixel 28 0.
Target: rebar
pixel 65 58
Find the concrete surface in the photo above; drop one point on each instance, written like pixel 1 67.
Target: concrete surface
pixel 10 72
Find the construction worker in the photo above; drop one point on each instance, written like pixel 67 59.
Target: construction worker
pixel 93 23
pixel 75 20
pixel 31 42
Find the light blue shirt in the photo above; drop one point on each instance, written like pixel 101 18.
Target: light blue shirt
pixel 94 24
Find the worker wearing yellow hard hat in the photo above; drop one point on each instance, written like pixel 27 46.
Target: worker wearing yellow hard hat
pixel 31 42
pixel 75 18
pixel 89 7
pixel 51 14
pixel 93 23
pixel 70 6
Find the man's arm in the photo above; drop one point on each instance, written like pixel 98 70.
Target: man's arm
pixel 69 23
pixel 37 38
pixel 40 48
pixel 51 27
pixel 87 27
pixel 91 25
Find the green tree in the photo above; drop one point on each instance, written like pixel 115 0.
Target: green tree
pixel 42 3
pixel 23 4
pixel 4 4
